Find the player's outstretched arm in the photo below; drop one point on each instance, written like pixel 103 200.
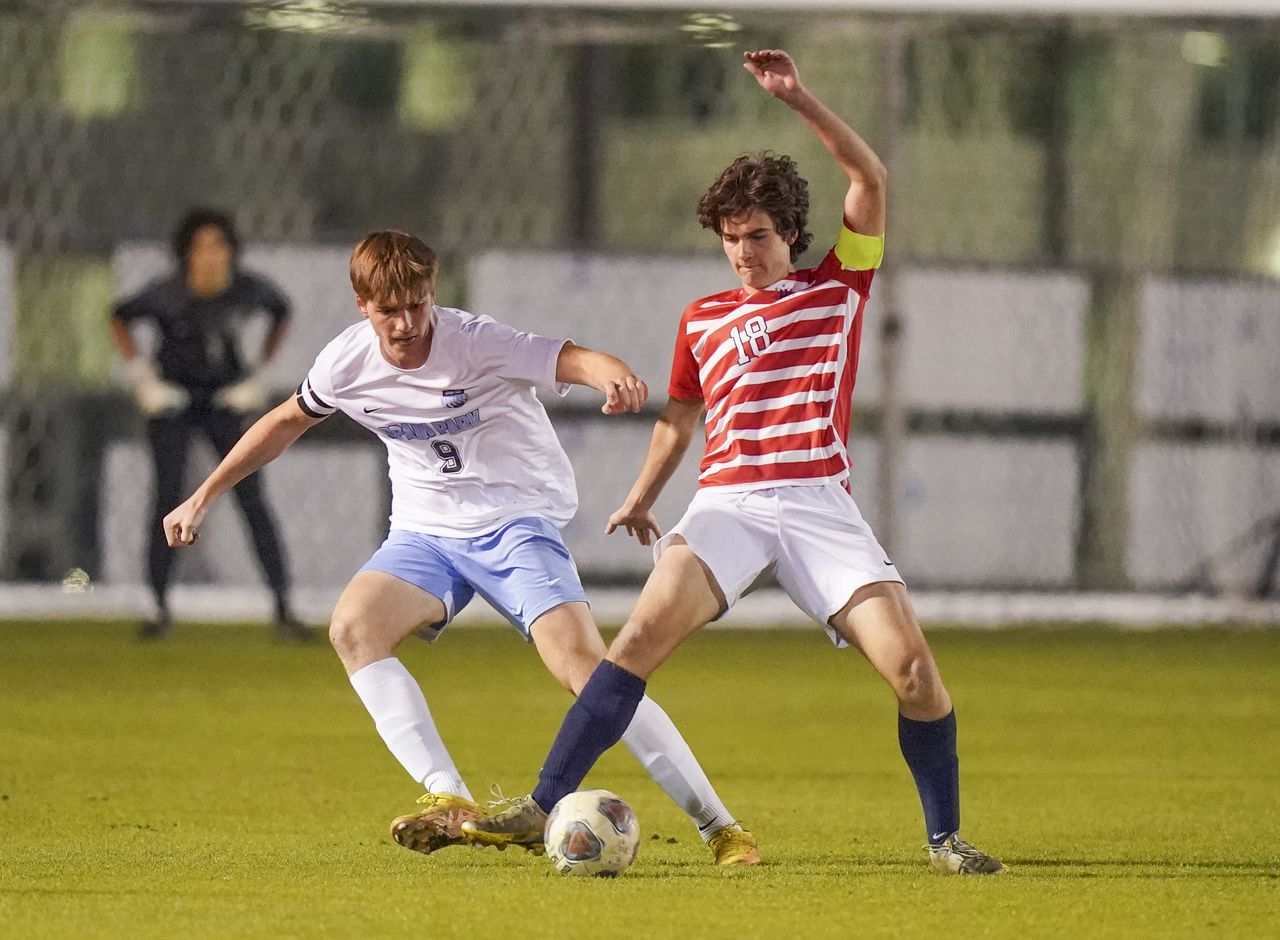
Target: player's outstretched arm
pixel 623 390
pixel 671 437
pixel 864 203
pixel 266 440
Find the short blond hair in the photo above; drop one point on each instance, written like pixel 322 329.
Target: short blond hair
pixel 393 265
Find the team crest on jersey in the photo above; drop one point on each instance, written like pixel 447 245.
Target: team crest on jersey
pixel 455 397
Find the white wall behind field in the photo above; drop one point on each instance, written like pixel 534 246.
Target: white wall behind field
pixel 1210 350
pixel 977 511
pixel 975 339
pixel 628 306
pixel 1190 503
pixel 8 313
pixel 327 501
pixel 988 340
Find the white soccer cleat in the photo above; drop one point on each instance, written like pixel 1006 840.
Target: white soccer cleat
pixel 521 823
pixel 957 857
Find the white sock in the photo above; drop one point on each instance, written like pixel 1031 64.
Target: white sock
pixel 655 742
pixel 403 720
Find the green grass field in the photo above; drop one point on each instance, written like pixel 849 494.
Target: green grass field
pixel 219 784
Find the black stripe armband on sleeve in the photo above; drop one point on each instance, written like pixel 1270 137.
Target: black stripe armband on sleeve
pixel 311 403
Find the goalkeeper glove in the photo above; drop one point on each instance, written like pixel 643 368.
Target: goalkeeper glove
pixel 249 394
pixel 154 395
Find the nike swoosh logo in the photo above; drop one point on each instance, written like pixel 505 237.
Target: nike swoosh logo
pixel 370 411
pixel 888 563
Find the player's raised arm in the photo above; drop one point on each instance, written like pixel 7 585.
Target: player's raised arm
pixel 864 203
pixel 671 436
pixel 623 390
pixel 266 440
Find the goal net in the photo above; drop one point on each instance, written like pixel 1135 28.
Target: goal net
pixel 1068 378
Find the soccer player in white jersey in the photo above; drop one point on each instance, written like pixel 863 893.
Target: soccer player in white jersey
pixel 480 488
pixel 772 362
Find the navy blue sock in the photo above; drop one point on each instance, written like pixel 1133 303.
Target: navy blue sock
pixel 604 709
pixel 930 750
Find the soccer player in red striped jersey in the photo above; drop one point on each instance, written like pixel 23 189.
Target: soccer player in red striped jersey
pixel 772 363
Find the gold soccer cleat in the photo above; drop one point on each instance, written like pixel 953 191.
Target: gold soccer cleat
pixel 957 857
pixel 734 845
pixel 437 825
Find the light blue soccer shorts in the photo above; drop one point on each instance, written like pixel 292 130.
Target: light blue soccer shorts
pixel 522 568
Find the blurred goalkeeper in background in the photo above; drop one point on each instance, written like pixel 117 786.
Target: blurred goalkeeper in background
pixel 200 381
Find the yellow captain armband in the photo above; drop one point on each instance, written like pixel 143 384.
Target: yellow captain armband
pixel 859 252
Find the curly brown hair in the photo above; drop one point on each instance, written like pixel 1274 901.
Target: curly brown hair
pixel 765 181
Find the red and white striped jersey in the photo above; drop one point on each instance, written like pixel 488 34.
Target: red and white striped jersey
pixel 776 370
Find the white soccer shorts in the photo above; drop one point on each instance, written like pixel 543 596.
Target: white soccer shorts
pixel 813 538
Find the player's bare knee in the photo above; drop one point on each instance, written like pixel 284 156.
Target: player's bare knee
pixel 347 635
pixel 574 675
pixel 916 681
pixel 633 635
pixel 638 647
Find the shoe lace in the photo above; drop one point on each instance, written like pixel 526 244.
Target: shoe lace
pixel 500 800
pixel 733 836
pixel 965 850
pixel 958 846
pixel 720 837
pixel 446 801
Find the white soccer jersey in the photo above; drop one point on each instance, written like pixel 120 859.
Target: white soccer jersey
pixel 469 446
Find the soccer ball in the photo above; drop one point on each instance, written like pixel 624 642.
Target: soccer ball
pixel 592 833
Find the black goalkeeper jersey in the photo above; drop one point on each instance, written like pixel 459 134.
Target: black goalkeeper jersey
pixel 199 336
